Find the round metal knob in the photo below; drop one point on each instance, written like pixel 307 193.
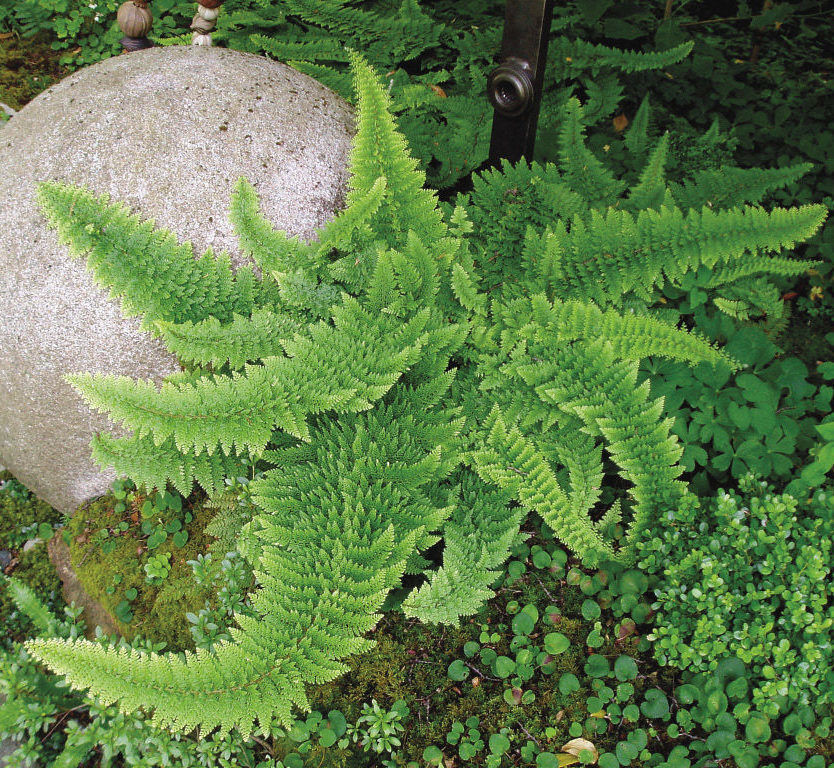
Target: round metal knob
pixel 511 88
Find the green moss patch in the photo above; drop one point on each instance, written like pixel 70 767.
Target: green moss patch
pixel 21 516
pixel 27 67
pixel 109 550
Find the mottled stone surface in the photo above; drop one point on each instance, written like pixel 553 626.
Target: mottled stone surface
pixel 95 614
pixel 167 131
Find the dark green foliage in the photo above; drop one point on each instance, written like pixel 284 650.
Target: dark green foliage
pixel 760 419
pixel 437 57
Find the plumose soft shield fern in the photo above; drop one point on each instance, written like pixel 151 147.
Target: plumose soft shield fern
pixel 398 401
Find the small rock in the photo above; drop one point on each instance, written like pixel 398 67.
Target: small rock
pixel 31 544
pixel 5 558
pixel 94 613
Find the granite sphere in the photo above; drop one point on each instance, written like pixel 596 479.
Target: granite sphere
pixel 167 131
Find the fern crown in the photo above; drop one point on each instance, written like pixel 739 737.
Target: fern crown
pixel 408 378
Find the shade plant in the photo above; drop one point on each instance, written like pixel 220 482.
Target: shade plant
pixel 400 398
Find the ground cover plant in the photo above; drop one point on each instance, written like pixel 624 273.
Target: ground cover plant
pixel 582 448
pixel 398 278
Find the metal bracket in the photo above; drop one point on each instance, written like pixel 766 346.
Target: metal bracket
pixel 515 86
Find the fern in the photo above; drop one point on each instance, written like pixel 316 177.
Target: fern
pixel 155 276
pixel 572 230
pixel 400 396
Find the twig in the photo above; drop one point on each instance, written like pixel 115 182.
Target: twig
pixel 61 719
pixel 478 672
pixel 541 584
pixel 529 734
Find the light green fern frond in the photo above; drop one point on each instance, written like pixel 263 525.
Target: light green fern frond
pixel 153 274
pixel 156 466
pixel 243 340
pixel 651 189
pixel 730 187
pixel 581 170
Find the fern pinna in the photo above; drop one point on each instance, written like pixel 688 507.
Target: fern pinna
pixel 400 397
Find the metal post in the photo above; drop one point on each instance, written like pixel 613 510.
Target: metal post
pixel 515 86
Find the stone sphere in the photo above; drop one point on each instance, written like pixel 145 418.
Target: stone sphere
pixel 167 131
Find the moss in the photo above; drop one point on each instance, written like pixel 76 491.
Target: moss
pixel 110 562
pixel 20 510
pixel 410 662
pixel 20 514
pixel 27 68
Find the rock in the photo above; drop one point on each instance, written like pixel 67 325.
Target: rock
pixel 31 544
pixel 168 131
pixel 94 612
pixel 5 558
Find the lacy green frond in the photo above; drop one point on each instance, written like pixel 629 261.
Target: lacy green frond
pixel 309 50
pixel 651 189
pixel 28 603
pixel 243 340
pixel 630 336
pixel 510 461
pixel 731 187
pixel 581 170
pixel 584 54
pixel 611 254
pixel 477 540
pixel 271 249
pixel 156 466
pixel 153 274
pixel 636 137
pixel 240 412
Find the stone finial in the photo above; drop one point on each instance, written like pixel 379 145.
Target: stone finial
pixel 204 21
pixel 135 20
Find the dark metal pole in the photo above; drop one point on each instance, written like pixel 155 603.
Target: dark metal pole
pixel 515 86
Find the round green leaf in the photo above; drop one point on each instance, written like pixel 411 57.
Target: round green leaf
pixel 590 610
pixel 625 668
pixel 656 704
pixel 568 683
pixel 337 722
pixel 458 670
pixel 523 624
pixel 556 643
pixel 498 744
pixel 299 731
pixel 504 666
pixel 327 737
pixel 597 666
pixel 757 729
